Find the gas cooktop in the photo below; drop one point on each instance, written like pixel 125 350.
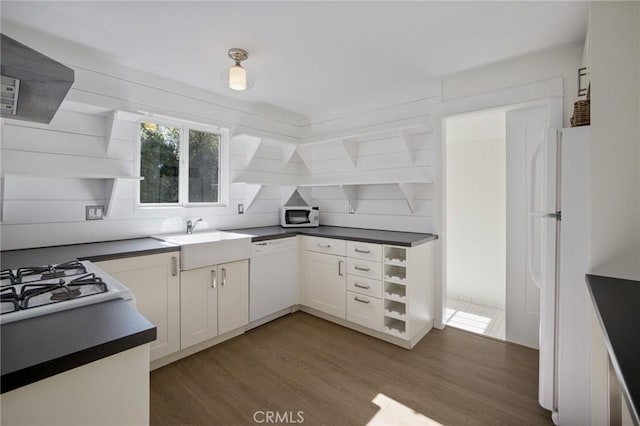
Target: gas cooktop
pixel 33 291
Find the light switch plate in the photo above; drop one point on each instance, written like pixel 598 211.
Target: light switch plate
pixel 94 212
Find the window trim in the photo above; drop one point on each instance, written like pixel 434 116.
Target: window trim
pixel 183 177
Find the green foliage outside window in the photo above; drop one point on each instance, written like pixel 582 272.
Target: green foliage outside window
pixel 159 163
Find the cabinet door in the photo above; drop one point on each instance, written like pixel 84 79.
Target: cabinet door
pixel 155 282
pixel 198 305
pixel 325 283
pixel 233 295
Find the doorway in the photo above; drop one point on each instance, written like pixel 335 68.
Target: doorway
pixel 476 206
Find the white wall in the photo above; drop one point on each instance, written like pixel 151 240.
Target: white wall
pixel 37 215
pixel 476 208
pixel 615 149
pixel 41 212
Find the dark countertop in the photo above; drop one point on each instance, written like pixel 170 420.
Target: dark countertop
pixel 406 239
pixel 94 252
pixel 617 304
pixel 41 347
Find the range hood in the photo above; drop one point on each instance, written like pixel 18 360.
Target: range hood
pixel 33 85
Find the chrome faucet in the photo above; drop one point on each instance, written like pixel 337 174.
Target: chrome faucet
pixel 191 225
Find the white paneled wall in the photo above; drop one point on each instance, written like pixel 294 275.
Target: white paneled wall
pixel 44 210
pixel 378 206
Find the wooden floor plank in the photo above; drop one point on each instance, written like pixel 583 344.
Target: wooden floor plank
pixel 331 374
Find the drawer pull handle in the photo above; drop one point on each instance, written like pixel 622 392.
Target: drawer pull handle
pixel 323 245
pixel 357 250
pixel 361 268
pixel 340 268
pixel 214 279
pixel 224 276
pixel 366 287
pixel 357 299
pixel 174 266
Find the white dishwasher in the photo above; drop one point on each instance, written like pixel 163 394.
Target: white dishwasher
pixel 273 279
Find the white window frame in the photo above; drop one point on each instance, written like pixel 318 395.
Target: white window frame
pixel 183 177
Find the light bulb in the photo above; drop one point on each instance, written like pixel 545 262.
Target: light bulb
pixel 237 78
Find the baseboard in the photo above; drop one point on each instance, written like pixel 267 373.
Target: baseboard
pixel 196 348
pixel 407 344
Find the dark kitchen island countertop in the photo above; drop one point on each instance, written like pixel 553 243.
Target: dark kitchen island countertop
pixel 617 302
pixel 94 252
pixel 406 239
pixel 36 348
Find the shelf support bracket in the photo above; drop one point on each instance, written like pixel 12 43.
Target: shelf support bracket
pixel 112 188
pixel 306 154
pixel 351 148
pixel 250 195
pixel 351 194
pixel 407 190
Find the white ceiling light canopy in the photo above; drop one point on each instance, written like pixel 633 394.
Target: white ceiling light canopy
pixel 237 74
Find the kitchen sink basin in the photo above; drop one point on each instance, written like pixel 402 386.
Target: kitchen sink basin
pixel 208 248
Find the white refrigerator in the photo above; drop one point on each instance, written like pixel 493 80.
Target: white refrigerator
pixel 559 250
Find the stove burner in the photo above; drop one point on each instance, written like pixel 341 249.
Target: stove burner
pixel 9 295
pixel 51 272
pixel 7 274
pixel 65 293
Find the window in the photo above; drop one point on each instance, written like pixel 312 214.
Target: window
pixel 180 164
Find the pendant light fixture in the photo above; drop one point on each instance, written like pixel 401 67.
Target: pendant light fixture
pixel 237 74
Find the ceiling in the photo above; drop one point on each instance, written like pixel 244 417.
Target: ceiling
pixel 305 56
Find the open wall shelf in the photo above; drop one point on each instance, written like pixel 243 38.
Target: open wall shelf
pixel 111 191
pixel 349 182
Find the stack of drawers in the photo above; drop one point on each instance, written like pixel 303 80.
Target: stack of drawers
pixel 364 285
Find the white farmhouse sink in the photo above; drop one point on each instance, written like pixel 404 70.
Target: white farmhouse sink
pixel 208 248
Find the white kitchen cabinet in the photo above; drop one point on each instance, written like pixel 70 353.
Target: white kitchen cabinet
pixel 383 290
pixel 233 296
pixel 155 283
pixel 325 283
pixel 365 310
pixel 213 300
pixel 198 305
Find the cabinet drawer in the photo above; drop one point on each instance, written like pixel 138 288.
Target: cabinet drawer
pixel 365 286
pixel 366 251
pixel 326 245
pixel 364 310
pixel 364 268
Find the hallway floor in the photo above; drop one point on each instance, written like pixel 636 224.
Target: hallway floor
pixel 486 320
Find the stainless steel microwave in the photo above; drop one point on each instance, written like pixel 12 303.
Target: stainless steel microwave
pixel 299 216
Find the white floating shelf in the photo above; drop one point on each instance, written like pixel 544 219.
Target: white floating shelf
pixel 112 183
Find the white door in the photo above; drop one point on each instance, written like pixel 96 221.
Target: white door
pixel 526 131
pixel 325 283
pixel 233 295
pixel 198 305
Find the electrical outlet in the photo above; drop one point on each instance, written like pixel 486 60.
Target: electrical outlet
pixel 240 208
pixel 94 212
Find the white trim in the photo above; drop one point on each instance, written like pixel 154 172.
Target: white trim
pixel 183 161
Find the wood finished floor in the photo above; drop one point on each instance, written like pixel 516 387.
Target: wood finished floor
pixel 303 363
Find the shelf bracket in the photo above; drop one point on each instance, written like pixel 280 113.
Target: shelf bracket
pixel 112 123
pixel 252 144
pixel 408 140
pixel 112 188
pixel 407 190
pixel 306 154
pixel 286 154
pixel 251 193
pixel 351 148
pixel 351 194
